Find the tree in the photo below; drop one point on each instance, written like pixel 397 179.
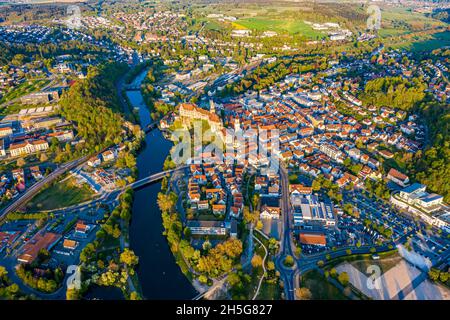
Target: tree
pixel 21 162
pixel 187 232
pixel 289 261
pixel 129 258
pixel 303 294
pixel 166 202
pixel 43 157
pixel 72 294
pixel 203 279
pixel 257 261
pixel 344 278
pixel 134 296
pixel 233 279
pixel 206 245
pixel 270 265
pixel 3 272
pixel 259 225
pixel 434 274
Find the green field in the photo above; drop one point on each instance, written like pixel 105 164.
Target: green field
pixel 435 41
pixel 278 25
pixel 320 288
pixel 59 195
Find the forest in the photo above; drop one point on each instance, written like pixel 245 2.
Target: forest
pixel 93 105
pixel 395 92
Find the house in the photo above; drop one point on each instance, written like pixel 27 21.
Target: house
pixel 108 155
pixel 36 172
pixel 94 162
pixel 386 154
pixel 5 131
pixel 81 228
pixel 299 189
pixel 70 244
pixel 219 209
pixel 270 212
pixel 398 177
pixel 203 205
pixel 18 174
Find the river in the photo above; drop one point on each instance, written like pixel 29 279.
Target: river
pixel 160 277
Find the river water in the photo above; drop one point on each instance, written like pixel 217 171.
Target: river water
pixel 159 275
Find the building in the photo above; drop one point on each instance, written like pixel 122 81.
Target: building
pixel 398 177
pixel 270 212
pixel 108 155
pixel 94 162
pixel 5 131
pixel 40 241
pixel 416 195
pixel 317 239
pixel 62 136
pixel 333 152
pixel 70 244
pixel 189 112
pixel 207 228
pixel 27 147
pixel 307 209
pixel 41 97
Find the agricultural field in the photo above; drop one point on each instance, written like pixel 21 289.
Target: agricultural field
pixel 429 43
pixel 278 25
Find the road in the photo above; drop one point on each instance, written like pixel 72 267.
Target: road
pixel 35 188
pixel 287 274
pixel 263 266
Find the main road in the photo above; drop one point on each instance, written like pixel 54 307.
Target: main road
pixel 287 274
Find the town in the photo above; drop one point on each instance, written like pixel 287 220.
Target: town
pixel 248 152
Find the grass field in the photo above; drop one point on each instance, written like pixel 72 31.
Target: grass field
pixel 24 88
pixel 277 25
pixel 59 195
pixel 435 41
pixel 384 264
pixel 320 288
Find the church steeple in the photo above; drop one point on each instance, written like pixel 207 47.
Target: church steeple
pixel 212 106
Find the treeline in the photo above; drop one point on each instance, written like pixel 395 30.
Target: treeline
pixel 433 168
pixel 93 105
pixel 266 75
pixel 13 216
pixel 394 92
pixel 157 109
pixel 8 290
pixel 48 282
